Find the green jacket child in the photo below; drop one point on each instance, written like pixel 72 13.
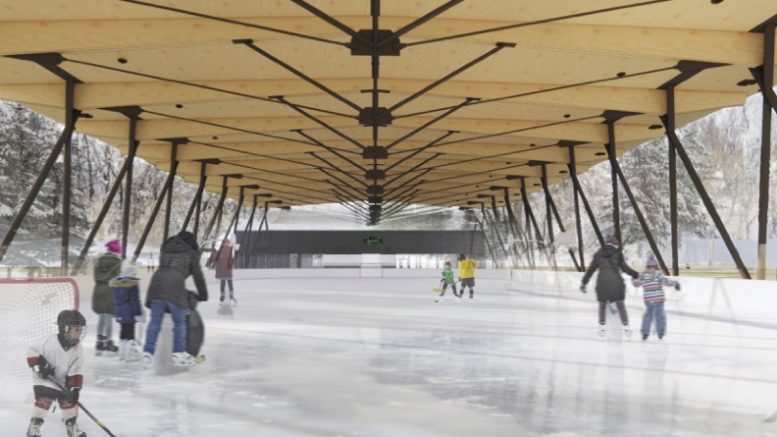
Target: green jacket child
pixel 447 274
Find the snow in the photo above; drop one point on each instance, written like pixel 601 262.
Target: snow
pixel 323 356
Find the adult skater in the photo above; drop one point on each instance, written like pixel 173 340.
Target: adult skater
pixel 223 260
pixel 467 268
pixel 180 258
pixel 609 285
pixel 107 267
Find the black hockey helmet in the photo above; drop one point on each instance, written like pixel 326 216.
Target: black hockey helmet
pixel 68 319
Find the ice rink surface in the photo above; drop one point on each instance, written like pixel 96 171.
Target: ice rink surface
pixel 378 357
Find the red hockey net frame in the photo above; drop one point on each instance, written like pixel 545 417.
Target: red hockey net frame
pixel 28 313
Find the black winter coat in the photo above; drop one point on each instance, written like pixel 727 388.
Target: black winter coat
pixel 609 285
pixel 177 261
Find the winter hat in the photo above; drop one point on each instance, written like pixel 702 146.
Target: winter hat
pixel 128 271
pixel 189 239
pixel 651 262
pixel 611 240
pixel 462 257
pixel 114 246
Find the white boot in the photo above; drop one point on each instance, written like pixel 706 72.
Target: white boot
pixel 123 345
pixel 72 428
pixel 134 352
pixel 604 331
pixel 627 330
pixel 34 429
pixel 183 359
pixel 148 359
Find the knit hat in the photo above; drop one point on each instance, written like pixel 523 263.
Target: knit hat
pixel 651 262
pixel 114 246
pixel 128 271
pixel 611 240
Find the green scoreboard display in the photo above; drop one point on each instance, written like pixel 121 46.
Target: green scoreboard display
pixel 372 241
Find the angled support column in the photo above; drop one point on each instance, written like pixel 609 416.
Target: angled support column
pixel 611 117
pixel 174 143
pixel 133 115
pixel 640 217
pixel 219 206
pixel 51 61
pixel 246 230
pixel 101 216
pixel 530 214
pixel 152 218
pixel 198 207
pixel 668 121
pixel 766 82
pixel 200 190
pixel 36 186
pixel 67 169
pixel 236 217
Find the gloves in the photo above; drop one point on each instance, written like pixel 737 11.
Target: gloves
pixel 582 289
pixel 73 394
pixel 677 286
pixel 43 368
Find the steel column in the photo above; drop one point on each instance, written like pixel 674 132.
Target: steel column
pixel 196 199
pixel 217 212
pixel 767 85
pixel 36 186
pixel 133 148
pixel 670 125
pixel 640 217
pixel 101 216
pixel 67 170
pixel 173 170
pixel 246 230
pixel 616 214
pixel 198 208
pixel 578 223
pixel 672 135
pixel 152 218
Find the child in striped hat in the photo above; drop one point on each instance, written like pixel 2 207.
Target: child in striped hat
pixel 652 282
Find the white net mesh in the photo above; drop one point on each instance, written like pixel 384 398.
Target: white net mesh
pixel 28 313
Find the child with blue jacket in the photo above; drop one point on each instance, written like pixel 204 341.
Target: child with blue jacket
pixel 126 296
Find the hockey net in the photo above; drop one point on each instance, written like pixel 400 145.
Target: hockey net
pixel 28 313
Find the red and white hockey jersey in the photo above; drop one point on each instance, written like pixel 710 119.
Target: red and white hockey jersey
pixel 66 362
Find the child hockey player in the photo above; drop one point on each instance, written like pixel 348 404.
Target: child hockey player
pixel 609 284
pixel 447 279
pixel 58 358
pixel 467 268
pixel 126 295
pixel 652 283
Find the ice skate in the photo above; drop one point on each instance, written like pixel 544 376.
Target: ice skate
pixel 232 300
pixel 183 359
pixel 123 344
pixel 627 331
pixel 133 352
pixel 109 348
pixel 221 298
pixel 604 331
pixel 72 428
pixel 99 346
pixel 34 429
pixel 645 337
pixel 147 359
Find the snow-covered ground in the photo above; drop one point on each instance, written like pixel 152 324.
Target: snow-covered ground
pixel 378 357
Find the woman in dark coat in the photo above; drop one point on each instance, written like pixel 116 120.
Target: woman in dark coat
pixel 107 267
pixel 609 284
pixel 180 258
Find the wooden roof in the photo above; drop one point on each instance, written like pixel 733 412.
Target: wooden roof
pixel 544 73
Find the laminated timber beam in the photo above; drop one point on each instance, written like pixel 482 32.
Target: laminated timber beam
pixel 91 96
pixel 721 46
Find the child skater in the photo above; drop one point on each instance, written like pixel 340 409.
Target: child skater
pixel 609 284
pixel 447 279
pixel 126 297
pixel 58 359
pixel 652 283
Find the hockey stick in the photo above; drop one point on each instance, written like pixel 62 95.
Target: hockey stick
pixel 80 405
